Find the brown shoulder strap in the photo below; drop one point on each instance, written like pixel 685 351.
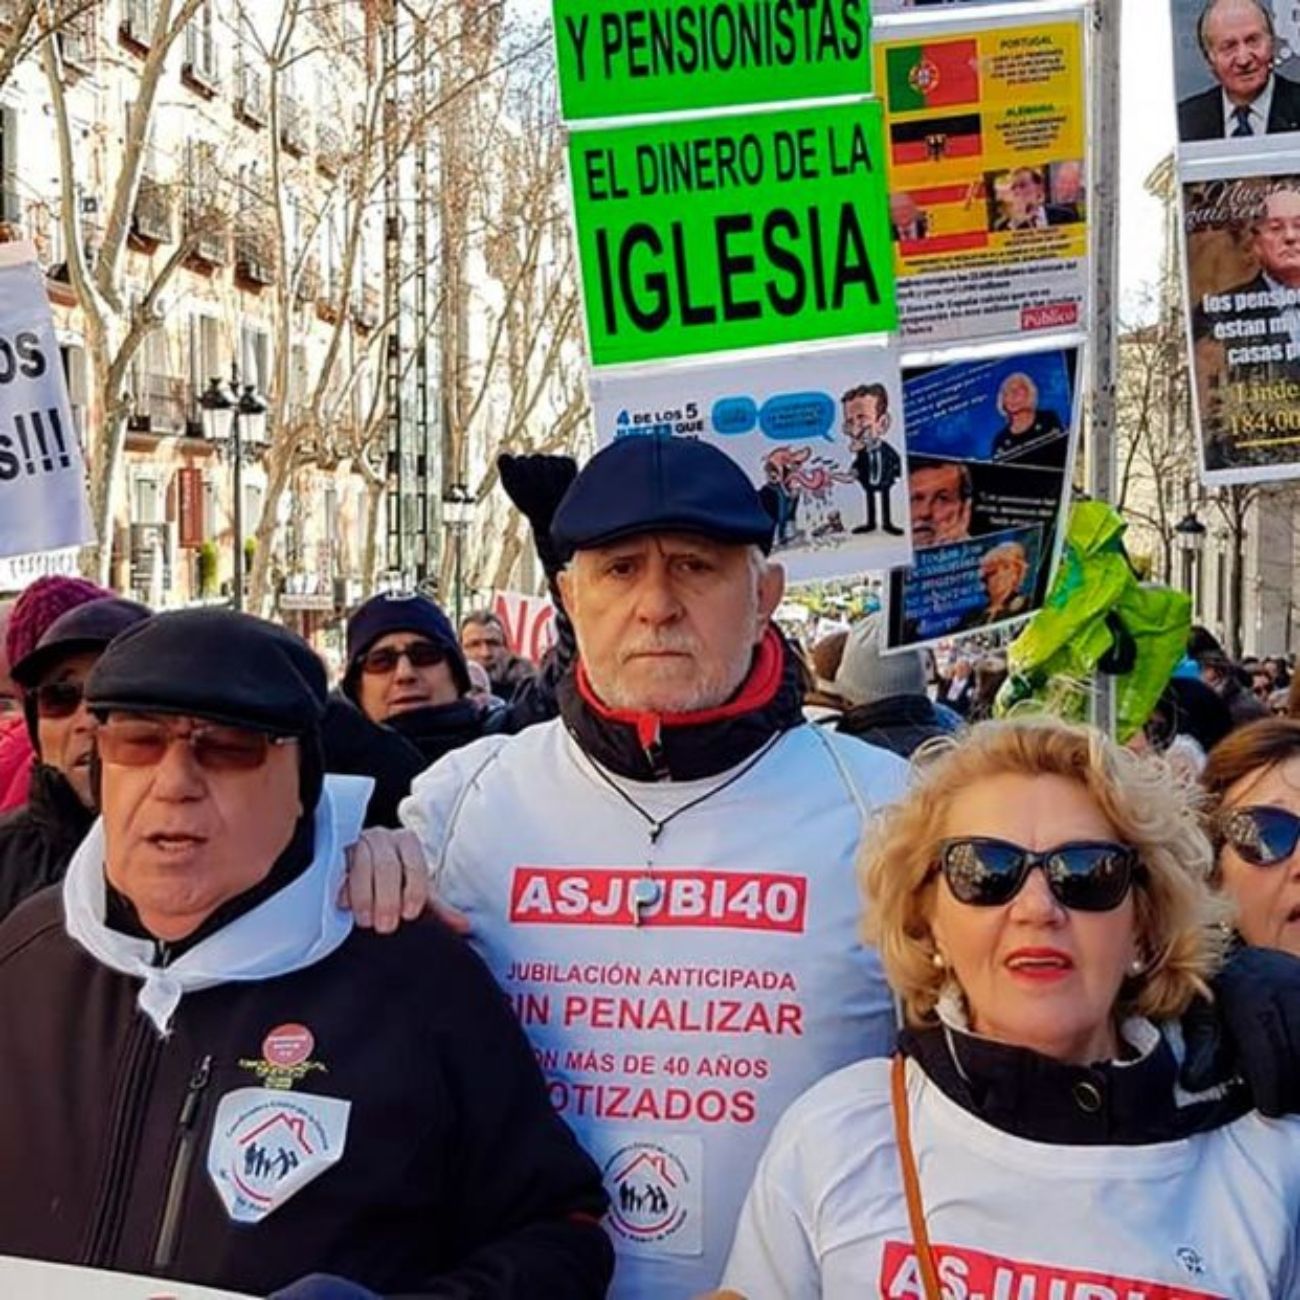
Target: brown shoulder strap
pixel 912 1182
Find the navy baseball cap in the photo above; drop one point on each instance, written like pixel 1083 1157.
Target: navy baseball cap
pixel 650 483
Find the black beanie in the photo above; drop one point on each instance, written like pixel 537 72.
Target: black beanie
pixel 393 611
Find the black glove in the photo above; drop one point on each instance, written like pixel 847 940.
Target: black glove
pixel 1252 1030
pixel 537 484
pixel 324 1286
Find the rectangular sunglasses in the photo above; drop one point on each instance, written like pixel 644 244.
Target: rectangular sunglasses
pixel 58 699
pixel 1084 875
pixel 143 742
pixel 419 654
pixel 1261 834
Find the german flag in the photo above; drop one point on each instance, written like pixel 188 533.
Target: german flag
pixel 937 75
pixel 936 139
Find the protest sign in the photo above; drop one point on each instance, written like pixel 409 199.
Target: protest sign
pixel 733 231
pixel 621 57
pixel 818 432
pixel 985 130
pixel 529 622
pixel 36 1280
pixel 1236 76
pixel 907 6
pixel 42 482
pixel 990 449
pixel 1243 289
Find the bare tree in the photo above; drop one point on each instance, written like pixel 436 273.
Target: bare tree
pixel 30 21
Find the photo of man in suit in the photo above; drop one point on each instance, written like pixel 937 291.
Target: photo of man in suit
pixel 1020 202
pixel 876 465
pixel 906 221
pixel 1239 42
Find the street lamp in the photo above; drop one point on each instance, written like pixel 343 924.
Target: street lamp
pixel 457 511
pixel 1191 542
pixel 224 411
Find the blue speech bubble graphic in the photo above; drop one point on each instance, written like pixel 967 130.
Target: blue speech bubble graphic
pixel 734 415
pixel 791 417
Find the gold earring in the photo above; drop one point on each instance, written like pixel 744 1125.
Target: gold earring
pixel 937 961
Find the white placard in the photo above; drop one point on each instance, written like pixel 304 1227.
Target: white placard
pixel 43 502
pixel 33 1279
pixel 819 431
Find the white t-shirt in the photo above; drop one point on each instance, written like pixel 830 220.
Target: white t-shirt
pixel 1212 1217
pixel 672 1047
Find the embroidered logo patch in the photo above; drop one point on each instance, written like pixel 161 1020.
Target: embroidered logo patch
pixel 266 1145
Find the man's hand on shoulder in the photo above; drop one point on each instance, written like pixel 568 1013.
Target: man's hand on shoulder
pixel 388 883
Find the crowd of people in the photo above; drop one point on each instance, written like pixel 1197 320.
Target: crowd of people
pixel 679 962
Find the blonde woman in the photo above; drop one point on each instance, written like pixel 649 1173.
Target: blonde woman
pixel 1040 902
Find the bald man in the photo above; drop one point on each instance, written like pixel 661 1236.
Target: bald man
pixel 1239 42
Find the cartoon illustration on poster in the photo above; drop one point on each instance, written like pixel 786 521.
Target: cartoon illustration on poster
pixel 1236 75
pixel 988 199
pixel 818 431
pixel 1243 291
pixel 989 452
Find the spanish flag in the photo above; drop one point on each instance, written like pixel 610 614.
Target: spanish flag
pixel 935 75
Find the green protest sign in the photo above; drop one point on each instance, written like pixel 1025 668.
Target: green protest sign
pixel 622 57
pixel 733 232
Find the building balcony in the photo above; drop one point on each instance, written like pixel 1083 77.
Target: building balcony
pixel 329 150
pixel 255 260
pixel 11 216
pixel 209 234
pixel 161 405
pixel 251 105
pixel 293 126
pixel 136 29
pixel 151 220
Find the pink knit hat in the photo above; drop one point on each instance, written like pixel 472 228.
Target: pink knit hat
pixel 38 607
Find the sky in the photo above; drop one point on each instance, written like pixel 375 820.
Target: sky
pixel 1146 136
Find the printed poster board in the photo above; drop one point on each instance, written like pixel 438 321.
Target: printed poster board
pixel 818 432
pixel 985 132
pixel 990 445
pixel 1242 243
pixel 33 1279
pixel 733 231
pixel 43 503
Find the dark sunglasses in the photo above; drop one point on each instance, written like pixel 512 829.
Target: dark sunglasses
pixel 1262 835
pixel 58 699
pixel 419 654
pixel 1085 876
pixel 143 742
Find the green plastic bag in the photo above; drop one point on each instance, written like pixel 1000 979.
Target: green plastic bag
pixel 1097 617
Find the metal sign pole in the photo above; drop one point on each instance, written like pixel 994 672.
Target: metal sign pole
pixel 1104 353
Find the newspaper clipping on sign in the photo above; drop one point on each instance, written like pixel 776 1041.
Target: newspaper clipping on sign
pixel 984 135
pixel 818 431
pixel 1243 289
pixel 990 445
pixel 1236 76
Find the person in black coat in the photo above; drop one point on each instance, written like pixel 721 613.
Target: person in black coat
pixel 876 465
pixel 37 841
pixel 1239 42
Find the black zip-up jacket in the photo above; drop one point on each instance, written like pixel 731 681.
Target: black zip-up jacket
pixel 456 1179
pixel 37 841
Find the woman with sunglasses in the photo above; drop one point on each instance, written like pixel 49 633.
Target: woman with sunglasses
pixel 37 840
pixel 1253 780
pixel 1040 903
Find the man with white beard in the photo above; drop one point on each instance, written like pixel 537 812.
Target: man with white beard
pixel 661 879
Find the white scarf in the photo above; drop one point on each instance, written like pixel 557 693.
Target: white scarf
pixel 296 927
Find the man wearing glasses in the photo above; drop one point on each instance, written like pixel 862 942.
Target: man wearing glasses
pixel 210 1074
pixel 37 840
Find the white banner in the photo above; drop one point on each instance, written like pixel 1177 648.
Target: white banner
pixel 42 480
pixel 819 431
pixel 34 1280
pixel 529 622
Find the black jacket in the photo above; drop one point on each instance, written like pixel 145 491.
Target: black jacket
pixel 1200 117
pixel 899 723
pixel 456 1178
pixel 37 841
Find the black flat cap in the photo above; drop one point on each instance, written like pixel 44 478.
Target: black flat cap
pixel 214 664
pixel 655 484
pixel 89 626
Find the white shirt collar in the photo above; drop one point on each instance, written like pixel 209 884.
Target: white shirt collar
pixel 1260 108
pixel 294 928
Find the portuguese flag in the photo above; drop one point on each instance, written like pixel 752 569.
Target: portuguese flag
pixel 932 76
